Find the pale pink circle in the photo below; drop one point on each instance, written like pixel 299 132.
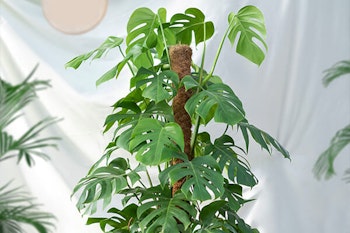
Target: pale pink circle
pixel 74 16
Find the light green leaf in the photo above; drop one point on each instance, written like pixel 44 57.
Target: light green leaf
pixel 112 73
pixel 203 177
pixel 141 28
pixel 338 69
pixel 110 43
pixel 325 163
pixel 154 142
pixel 191 23
pixel 160 212
pixel 247 27
pixel 220 99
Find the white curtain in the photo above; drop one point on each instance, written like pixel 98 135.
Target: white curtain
pixel 284 96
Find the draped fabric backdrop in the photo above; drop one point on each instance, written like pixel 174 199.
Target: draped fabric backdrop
pixel 284 96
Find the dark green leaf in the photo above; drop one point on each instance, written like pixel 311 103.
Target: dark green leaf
pixel 102 183
pixel 160 212
pixel 209 211
pixel 262 138
pixel 237 170
pixel 162 86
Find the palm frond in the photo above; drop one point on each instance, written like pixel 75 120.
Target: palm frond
pixel 17 208
pixel 324 166
pixel 13 98
pixel 338 69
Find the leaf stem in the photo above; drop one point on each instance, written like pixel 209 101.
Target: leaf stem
pixel 130 68
pixel 149 178
pixel 217 55
pixel 197 124
pixel 164 40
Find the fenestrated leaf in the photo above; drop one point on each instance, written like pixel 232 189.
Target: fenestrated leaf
pixel 102 183
pixel 155 142
pixel 324 165
pixel 141 28
pixel 233 196
pixel 129 116
pixel 203 177
pixel 192 22
pixel 248 27
pixel 209 211
pixel 262 138
pixel 160 212
pixel 110 43
pixel 120 220
pixel 161 86
pixel 236 223
pixel 338 69
pixel 219 98
pixel 237 170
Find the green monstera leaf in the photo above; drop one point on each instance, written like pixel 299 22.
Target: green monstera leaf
pixel 119 221
pixel 237 170
pixel 142 27
pixel 191 23
pixel 110 43
pixel 102 183
pixel 203 177
pixel 160 212
pixel 247 27
pixel 154 143
pixel 160 86
pixel 262 138
pixel 218 98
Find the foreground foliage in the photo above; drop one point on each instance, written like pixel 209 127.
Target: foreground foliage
pixel 213 172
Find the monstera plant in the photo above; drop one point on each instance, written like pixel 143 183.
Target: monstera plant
pixel 163 171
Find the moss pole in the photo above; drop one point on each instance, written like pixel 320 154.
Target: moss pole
pixel 180 57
